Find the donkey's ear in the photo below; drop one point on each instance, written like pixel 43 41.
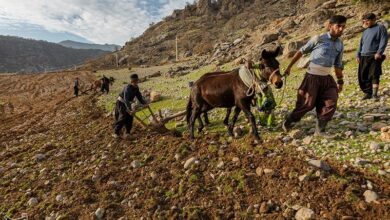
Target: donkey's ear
pixel 277 51
pixel 264 54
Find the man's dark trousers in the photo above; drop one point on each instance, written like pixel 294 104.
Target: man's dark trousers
pixel 122 118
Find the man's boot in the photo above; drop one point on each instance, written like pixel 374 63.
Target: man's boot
pixel 321 129
pixel 375 93
pixel 287 123
pixel 367 96
pixel 127 136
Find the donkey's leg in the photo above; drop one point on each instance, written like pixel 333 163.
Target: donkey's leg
pixel 246 109
pixel 201 125
pixel 206 118
pixel 195 114
pixel 237 111
pixel 226 120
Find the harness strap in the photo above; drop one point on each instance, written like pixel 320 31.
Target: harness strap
pixel 272 74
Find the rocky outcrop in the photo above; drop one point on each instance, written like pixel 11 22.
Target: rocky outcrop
pixel 205 23
pixel 204 7
pixel 292 47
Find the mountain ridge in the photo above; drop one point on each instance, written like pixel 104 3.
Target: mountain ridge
pixel 22 55
pixel 80 45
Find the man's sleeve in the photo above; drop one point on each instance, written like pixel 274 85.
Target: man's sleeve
pixel 139 97
pixel 309 46
pixel 126 97
pixel 339 59
pixel 358 55
pixel 384 39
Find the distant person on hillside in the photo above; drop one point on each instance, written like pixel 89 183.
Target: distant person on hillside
pixel 76 86
pixel 370 56
pixel 123 108
pixel 318 89
pixel 105 84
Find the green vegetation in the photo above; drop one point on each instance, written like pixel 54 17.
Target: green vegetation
pixel 175 94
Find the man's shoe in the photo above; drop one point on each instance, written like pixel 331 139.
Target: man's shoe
pixel 375 97
pixel 320 126
pixel 367 96
pixel 320 130
pixel 287 124
pixel 116 136
pixel 126 136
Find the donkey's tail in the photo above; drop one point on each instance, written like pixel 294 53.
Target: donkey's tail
pixel 189 110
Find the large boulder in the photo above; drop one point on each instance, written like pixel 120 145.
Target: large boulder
pixel 155 96
pixel 315 19
pixel 385 134
pixel 268 38
pixel 292 47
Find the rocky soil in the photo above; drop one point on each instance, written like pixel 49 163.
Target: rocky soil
pixel 59 161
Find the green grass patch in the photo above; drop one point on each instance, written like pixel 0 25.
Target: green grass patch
pixel 175 94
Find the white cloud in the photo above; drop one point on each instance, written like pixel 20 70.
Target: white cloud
pixel 170 5
pixel 100 21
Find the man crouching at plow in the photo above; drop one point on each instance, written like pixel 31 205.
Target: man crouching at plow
pixel 124 109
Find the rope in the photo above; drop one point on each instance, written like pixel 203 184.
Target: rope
pixel 284 89
pixel 255 84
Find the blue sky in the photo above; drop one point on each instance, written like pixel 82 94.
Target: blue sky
pixel 93 21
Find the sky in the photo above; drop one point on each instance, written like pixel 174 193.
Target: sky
pixel 89 21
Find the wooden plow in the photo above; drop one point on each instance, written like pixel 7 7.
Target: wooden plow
pixel 154 122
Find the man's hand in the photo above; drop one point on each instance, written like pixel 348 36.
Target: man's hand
pixel 287 71
pixel 130 112
pixel 378 56
pixel 339 88
pixel 357 59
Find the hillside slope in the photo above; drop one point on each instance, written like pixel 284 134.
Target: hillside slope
pixel 26 55
pixel 233 29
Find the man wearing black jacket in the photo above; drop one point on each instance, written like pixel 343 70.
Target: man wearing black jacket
pixel 123 110
pixel 105 84
pixel 76 86
pixel 370 56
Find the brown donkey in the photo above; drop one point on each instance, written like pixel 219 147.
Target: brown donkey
pixel 226 90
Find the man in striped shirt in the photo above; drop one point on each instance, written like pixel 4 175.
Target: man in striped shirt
pixel 318 89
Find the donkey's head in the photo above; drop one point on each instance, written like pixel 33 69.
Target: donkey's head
pixel 112 80
pixel 269 67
